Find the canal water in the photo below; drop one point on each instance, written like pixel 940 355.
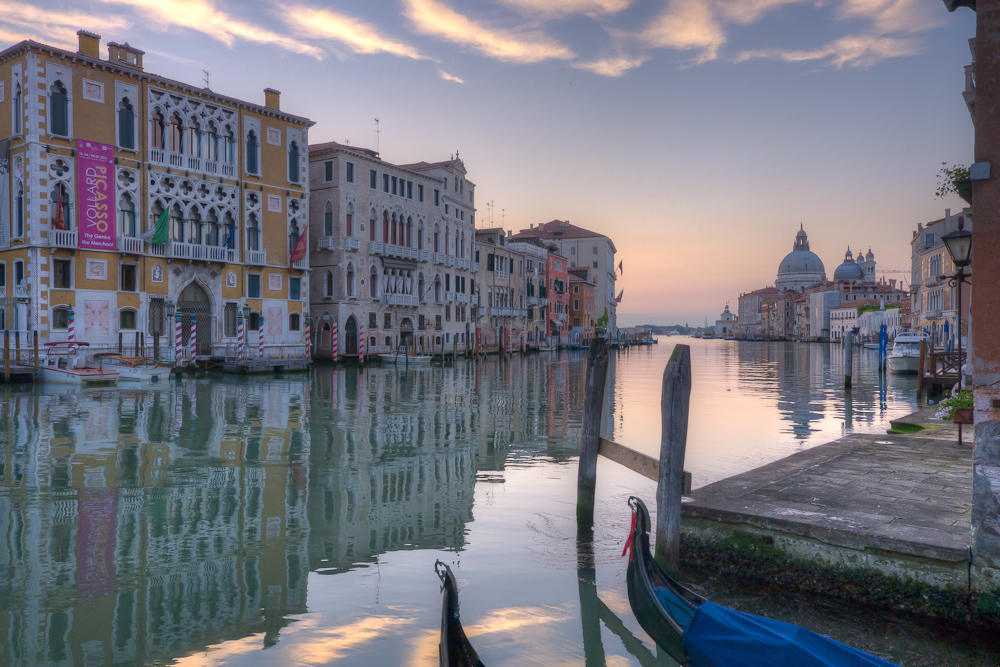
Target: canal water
pixel 296 519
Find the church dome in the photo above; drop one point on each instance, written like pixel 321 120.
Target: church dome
pixel 849 270
pixel 801 267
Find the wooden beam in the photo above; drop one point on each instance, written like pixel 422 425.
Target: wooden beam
pixel 637 462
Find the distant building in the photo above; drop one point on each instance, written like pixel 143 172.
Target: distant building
pixel 933 303
pixel 801 267
pixel 558 283
pixel 845 318
pixel 725 324
pixel 581 306
pixel 869 322
pixel 583 247
pixel 502 318
pixel 750 322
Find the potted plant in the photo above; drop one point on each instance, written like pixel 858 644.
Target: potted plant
pixel 957 408
pixel 954 179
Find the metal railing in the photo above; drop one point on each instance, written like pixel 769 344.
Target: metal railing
pixel 62 238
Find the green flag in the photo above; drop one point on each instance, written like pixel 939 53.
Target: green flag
pixel 159 233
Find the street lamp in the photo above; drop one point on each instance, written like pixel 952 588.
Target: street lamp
pixel 959 244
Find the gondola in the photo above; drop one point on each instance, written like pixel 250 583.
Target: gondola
pixel 698 633
pixel 455 650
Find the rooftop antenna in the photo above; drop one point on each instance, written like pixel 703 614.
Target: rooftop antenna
pixel 378 137
pixel 503 215
pixel 208 75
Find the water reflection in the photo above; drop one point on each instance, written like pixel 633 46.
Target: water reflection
pixel 142 525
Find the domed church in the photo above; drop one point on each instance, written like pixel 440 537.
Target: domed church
pixel 800 268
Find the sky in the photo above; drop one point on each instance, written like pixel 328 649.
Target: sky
pixel 697 134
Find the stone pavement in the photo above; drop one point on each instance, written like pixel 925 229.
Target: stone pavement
pixel 891 494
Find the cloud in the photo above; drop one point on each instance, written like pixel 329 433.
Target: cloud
pixel 449 77
pixel 553 8
pixel 357 35
pixel 20 21
pixel 205 17
pixel 687 25
pixel 853 51
pixel 612 65
pixel 893 15
pixel 433 18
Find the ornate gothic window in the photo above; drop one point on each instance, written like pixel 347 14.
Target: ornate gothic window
pixel 126 124
pixel 59 110
pixel 252 165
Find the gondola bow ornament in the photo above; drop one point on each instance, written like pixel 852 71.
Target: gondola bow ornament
pixel 454 649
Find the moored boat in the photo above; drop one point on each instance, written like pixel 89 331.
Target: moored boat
pixel 904 357
pixel 66 363
pixel 403 359
pixel 454 649
pixel 134 369
pixel 698 633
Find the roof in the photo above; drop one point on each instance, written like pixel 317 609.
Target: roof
pixel 155 78
pixel 580 273
pixel 762 291
pixel 331 145
pixel 558 229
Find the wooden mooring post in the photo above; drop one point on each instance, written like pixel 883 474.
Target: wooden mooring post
pixel 674 405
pixel 590 438
pixel 35 345
pixel 848 358
pixel 921 367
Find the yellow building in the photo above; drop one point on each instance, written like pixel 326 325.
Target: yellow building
pixel 114 147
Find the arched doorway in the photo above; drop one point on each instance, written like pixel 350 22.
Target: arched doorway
pixel 326 338
pixel 351 337
pixel 194 300
pixel 406 333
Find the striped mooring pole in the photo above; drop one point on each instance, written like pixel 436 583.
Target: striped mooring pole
pixel 308 336
pixel 336 341
pixel 178 344
pixel 239 337
pixel 361 343
pixel 260 337
pixel 193 340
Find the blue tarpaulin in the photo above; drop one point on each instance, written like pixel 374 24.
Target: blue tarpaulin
pixel 721 637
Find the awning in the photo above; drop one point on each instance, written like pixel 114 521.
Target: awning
pixel 404 264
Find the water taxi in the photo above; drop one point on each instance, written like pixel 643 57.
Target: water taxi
pixel 904 357
pixel 66 363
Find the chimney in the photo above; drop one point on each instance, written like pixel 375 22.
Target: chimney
pixel 90 44
pixel 124 54
pixel 272 99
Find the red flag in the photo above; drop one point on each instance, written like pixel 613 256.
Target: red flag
pixel 299 251
pixel 59 222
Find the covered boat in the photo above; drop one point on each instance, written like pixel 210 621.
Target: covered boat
pixel 454 649
pixel 699 633
pixel 66 363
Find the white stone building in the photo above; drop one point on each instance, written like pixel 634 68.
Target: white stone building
pixel 725 324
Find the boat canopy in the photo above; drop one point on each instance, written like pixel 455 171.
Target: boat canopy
pixel 719 636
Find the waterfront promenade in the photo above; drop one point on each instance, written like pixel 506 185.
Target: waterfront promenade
pixel 898 503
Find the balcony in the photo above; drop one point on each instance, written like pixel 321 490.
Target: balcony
pixel 192 163
pixel 475 299
pixel 193 251
pixel 301 264
pixel 425 255
pixel 462 263
pixel 401 300
pixel 462 297
pixel 326 243
pixel 130 244
pixel 352 243
pixel 449 297
pixel 532 301
pixel 439 258
pixel 449 260
pixel 257 257
pixel 61 238
pixel 475 267
pixel 403 252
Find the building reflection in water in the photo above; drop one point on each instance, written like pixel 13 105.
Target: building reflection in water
pixel 141 525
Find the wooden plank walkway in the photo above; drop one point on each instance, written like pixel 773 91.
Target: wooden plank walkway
pixel 909 495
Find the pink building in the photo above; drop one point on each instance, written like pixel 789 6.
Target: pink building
pixel 557 278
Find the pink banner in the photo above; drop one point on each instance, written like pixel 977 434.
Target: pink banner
pixel 95 179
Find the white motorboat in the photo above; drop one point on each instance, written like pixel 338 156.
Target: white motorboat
pixel 904 357
pixel 66 363
pixel 871 346
pixel 401 359
pixel 134 369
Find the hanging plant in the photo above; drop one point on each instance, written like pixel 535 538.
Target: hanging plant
pixel 954 180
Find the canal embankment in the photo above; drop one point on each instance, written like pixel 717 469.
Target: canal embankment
pixel 883 519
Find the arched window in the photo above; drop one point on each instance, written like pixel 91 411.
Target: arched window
pixel 126 319
pixel 213 234
pixel 373 284
pixel 293 321
pixel 211 151
pixel 293 237
pixel 385 226
pixel 253 232
pixel 349 282
pixel 60 199
pixel 58 110
pixel 447 241
pixel 176 134
pixel 196 230
pixel 254 324
pixel 60 317
pixel 394 238
pixel 420 236
pixel 194 138
pixel 437 289
pixel 371 226
pixel 227 233
pixel 18 230
pixel 420 287
pixel 293 162
pixel 126 217
pixel 437 236
pixel 177 223
pixel 350 220
pixel 328 284
pixel 155 213
pixel 409 231
pixel 252 152
pixel 229 146
pixel 126 124
pixel 328 219
pixel 16 110
pixel 157 127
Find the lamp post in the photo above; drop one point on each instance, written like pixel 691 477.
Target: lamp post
pixel 959 244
